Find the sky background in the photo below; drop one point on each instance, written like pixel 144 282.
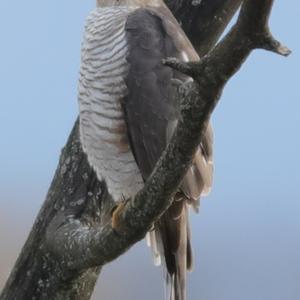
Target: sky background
pixel 246 238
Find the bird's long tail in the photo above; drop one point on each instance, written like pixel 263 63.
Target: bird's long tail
pixel 170 242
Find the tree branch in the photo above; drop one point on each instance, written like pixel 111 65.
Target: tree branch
pixel 210 75
pixel 204 20
pixel 73 236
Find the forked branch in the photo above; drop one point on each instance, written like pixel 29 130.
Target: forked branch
pixel 210 75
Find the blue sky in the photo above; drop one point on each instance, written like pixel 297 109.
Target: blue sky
pixel 246 237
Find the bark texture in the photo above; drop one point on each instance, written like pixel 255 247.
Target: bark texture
pixel 73 235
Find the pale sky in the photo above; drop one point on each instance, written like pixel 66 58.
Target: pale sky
pixel 246 238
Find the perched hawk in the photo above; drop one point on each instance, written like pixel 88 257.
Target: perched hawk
pixel 128 113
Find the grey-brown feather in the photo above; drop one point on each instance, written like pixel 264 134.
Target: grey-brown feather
pixel 150 110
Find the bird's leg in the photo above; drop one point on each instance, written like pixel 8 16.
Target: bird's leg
pixel 116 219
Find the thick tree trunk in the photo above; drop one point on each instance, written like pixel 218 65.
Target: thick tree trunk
pixel 38 274
pixel 72 236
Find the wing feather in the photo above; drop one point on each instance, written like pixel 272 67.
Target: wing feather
pixel 151 114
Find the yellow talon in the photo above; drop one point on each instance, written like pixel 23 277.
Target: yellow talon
pixel 116 223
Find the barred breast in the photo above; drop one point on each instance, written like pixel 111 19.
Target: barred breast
pixel 101 88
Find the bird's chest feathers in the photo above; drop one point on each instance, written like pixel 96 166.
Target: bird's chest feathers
pixel 103 130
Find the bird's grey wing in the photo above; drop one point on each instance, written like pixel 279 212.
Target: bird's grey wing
pixel 149 106
pixel 151 110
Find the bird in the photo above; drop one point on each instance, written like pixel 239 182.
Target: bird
pixel 128 112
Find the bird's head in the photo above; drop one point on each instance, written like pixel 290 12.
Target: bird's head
pixel 130 3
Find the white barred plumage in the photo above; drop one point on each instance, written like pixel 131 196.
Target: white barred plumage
pixel 103 130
